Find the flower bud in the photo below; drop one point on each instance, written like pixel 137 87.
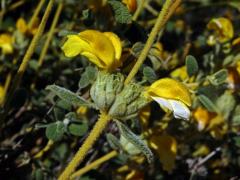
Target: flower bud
pixel 105 88
pixel 120 101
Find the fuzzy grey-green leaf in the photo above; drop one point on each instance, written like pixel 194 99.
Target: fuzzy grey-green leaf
pixel 192 65
pixel 207 103
pixel 78 129
pixel 135 140
pixel 149 74
pixel 219 77
pixel 55 131
pixel 121 12
pixel 68 96
pixel 113 142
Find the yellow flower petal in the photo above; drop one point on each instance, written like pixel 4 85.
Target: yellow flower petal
pixel 6 42
pixel 222 28
pixel 2 95
pixel 170 89
pixel 180 73
pixel 202 150
pixel 101 45
pixel 203 117
pixel 166 148
pixel 116 42
pixel 94 59
pixel 82 111
pixel 21 25
pixel 131 5
pixel 75 45
pixel 144 116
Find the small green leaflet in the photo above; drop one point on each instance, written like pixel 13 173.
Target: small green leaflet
pixel 192 65
pixel 149 74
pixel 88 77
pixel 121 12
pixel 207 103
pixel 113 142
pixel 219 77
pixel 135 140
pixel 55 131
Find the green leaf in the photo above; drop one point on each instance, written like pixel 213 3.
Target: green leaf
pixel 236 116
pixel 88 77
pixel 207 103
pixel 60 152
pixel 55 131
pixel 135 140
pixel 149 74
pixel 58 113
pixel 226 104
pixel 237 141
pixel 38 174
pixel 68 96
pixel 121 12
pixel 113 142
pixel 218 77
pixel 192 65
pixel 78 129
pixel 33 64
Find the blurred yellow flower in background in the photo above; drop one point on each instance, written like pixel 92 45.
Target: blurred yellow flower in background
pixel 209 121
pixel 2 95
pixel 201 150
pixel 171 95
pixel 82 111
pixel 203 117
pixel 166 148
pixel 6 43
pixel 180 73
pixel 102 49
pixel 23 27
pixel 223 30
pixel 131 5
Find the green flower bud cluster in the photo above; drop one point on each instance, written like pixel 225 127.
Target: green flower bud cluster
pixel 120 101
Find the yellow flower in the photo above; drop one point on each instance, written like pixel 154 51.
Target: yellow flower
pixel 82 111
pixel 203 117
pixel 180 73
pixel 131 5
pixel 238 67
pixel 6 43
pixel 144 116
pixel 201 150
pixel 23 27
pixel 223 30
pixel 171 95
pixel 236 42
pixel 102 49
pixel 166 148
pixel 2 95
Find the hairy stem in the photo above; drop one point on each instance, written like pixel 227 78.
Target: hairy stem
pixel 49 38
pixel 87 144
pixel 94 164
pixel 35 14
pixel 18 77
pixel 166 12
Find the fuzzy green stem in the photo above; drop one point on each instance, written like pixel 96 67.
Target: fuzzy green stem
pixel 169 6
pixel 35 14
pixel 94 164
pixel 18 77
pixel 48 40
pixel 87 144
pixel 139 10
